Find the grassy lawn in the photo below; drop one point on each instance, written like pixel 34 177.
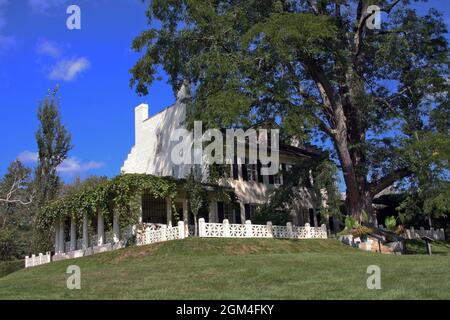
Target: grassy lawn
pixel 236 269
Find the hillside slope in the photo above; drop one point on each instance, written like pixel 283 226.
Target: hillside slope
pixel 235 269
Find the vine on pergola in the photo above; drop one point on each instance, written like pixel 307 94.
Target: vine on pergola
pixel 120 195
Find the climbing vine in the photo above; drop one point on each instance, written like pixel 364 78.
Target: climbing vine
pixel 121 195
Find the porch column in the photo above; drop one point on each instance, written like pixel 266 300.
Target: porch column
pixel 73 234
pixel 140 211
pixel 85 232
pixel 116 228
pixel 57 226
pixel 186 217
pixel 213 214
pixel 169 212
pixel 100 229
pixel 62 244
pixel 242 205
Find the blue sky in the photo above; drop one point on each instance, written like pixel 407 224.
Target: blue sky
pixel 91 65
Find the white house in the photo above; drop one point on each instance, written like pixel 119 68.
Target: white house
pixel 151 154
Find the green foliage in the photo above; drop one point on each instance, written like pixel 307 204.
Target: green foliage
pixel 317 175
pixel 121 194
pixel 391 223
pixel 350 223
pixel 377 98
pixel 197 195
pixel 8 244
pixel 9 267
pixel 360 231
pixel 53 143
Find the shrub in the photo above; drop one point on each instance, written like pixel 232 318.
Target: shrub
pixel 8 244
pixel 391 223
pixel 360 231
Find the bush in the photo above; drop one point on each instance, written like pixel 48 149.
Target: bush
pixel 360 231
pixel 391 223
pixel 8 267
pixel 8 245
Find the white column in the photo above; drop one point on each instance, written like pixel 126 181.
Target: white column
pixel 308 230
pixel 269 229
pixel 226 228
pixel 242 205
pixel 100 229
pixel 201 227
pixel 181 231
pixel 140 212
pixel 164 233
pixel 248 229
pixel 62 244
pixel 289 229
pixel 57 226
pixel 186 217
pixel 116 227
pixel 73 234
pixel 324 231
pixel 85 232
pixel 169 211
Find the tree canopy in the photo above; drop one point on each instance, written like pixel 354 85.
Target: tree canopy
pixel 378 98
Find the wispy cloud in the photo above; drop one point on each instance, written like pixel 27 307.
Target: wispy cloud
pixel 69 69
pixel 6 41
pixel 43 6
pixel 74 166
pixel 70 167
pixel 48 48
pixel 28 157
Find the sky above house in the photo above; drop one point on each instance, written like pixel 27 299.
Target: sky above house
pixel 91 66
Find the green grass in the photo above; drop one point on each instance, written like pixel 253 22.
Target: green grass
pixel 236 269
pixel 7 267
pixel 419 247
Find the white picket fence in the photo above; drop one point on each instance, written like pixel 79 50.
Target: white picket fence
pixel 34 261
pixel 249 230
pixel 154 233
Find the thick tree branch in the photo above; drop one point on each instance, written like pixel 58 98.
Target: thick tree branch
pixel 382 183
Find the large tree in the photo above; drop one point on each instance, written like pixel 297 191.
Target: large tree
pixel 377 97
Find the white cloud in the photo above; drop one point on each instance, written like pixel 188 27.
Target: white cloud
pixel 28 157
pixel 69 69
pixel 43 6
pixel 71 166
pixel 74 166
pixel 48 48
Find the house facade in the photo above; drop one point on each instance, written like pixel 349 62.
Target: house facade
pixel 151 154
